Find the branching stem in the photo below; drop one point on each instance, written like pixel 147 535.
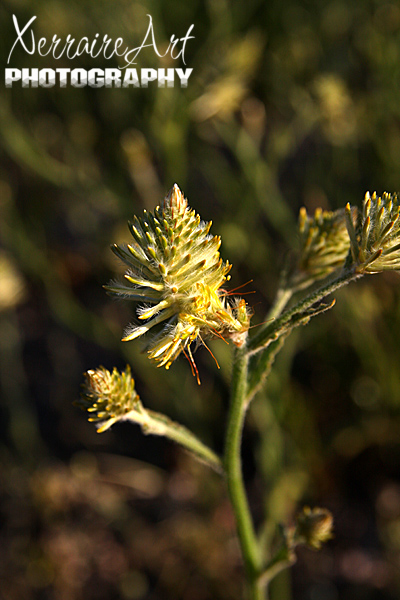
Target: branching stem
pixel 270 331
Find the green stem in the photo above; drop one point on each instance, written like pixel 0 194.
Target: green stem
pixel 282 298
pixel 261 365
pixel 267 333
pixel 233 467
pixel 283 559
pixel 156 423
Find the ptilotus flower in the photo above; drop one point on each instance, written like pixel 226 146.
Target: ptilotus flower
pixel 324 245
pixel 175 269
pixel 375 243
pixel 314 527
pixel 109 397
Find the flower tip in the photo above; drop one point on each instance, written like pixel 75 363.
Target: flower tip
pixel 302 218
pixel 106 425
pixel 175 198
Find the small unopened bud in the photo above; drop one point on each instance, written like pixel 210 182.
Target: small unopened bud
pixel 314 527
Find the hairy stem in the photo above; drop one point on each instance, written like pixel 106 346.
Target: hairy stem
pixel 271 331
pixel 282 298
pixel 158 424
pixel 233 467
pixel 261 365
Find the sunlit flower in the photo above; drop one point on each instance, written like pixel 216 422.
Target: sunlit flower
pixel 375 243
pixel 109 397
pixel 175 269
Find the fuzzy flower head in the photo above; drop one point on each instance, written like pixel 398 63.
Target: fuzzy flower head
pixel 324 245
pixel 175 270
pixel 375 243
pixel 109 397
pixel 314 527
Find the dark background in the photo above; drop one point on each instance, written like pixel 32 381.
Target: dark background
pixel 289 104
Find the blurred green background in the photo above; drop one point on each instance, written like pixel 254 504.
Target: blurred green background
pixel 289 104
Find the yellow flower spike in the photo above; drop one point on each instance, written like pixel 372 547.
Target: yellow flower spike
pixel 375 243
pixel 324 245
pixel 175 268
pixel 109 397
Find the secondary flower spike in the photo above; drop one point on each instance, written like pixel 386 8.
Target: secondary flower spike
pixel 375 243
pixel 109 397
pixel 175 270
pixel 324 245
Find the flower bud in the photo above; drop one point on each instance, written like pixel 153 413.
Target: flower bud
pixel 314 527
